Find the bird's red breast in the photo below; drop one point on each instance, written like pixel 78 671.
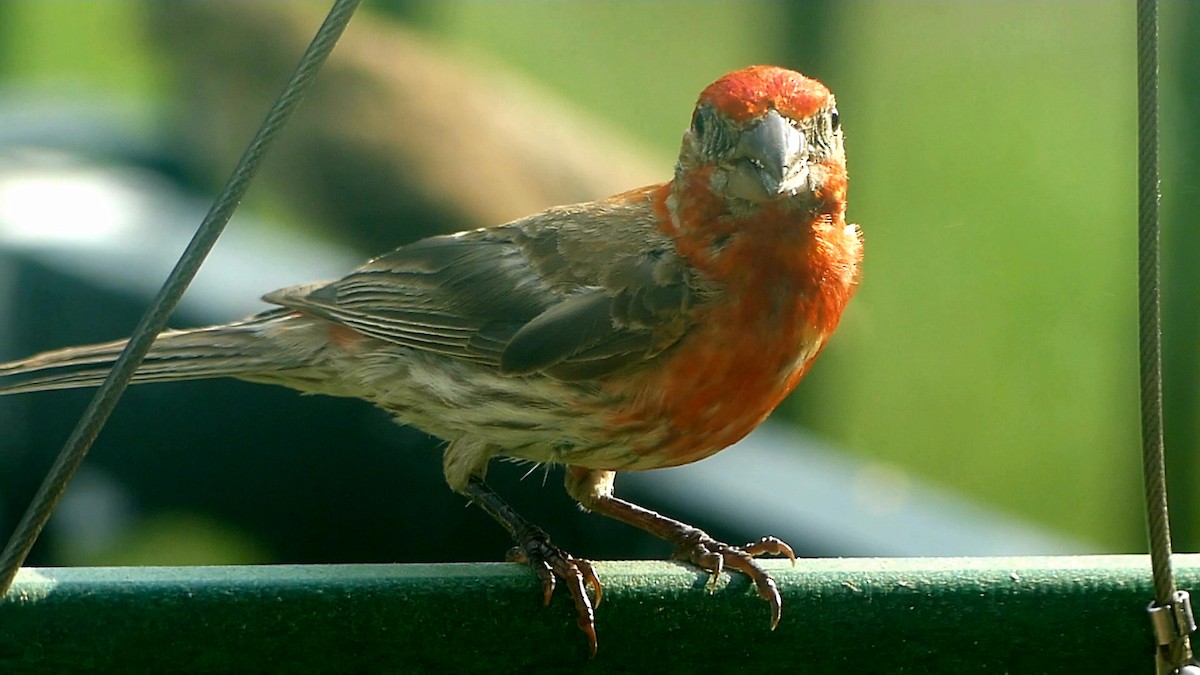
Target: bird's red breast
pixel 785 289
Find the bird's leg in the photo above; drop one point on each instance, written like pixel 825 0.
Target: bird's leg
pixel 533 548
pixel 594 491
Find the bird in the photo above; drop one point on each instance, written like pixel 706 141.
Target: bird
pixel 646 330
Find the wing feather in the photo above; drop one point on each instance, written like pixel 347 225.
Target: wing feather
pixel 546 294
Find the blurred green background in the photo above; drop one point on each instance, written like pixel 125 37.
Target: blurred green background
pixel 992 348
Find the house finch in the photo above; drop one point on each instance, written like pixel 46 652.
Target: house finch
pixel 646 330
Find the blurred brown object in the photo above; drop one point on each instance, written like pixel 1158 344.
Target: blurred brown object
pixel 398 139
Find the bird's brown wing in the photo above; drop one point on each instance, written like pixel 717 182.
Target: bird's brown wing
pixel 523 298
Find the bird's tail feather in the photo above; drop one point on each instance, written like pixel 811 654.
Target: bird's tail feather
pixel 235 349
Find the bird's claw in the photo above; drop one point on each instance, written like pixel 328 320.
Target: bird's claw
pixel 550 564
pixel 713 557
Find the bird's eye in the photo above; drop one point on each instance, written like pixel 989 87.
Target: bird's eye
pixel 833 119
pixel 698 123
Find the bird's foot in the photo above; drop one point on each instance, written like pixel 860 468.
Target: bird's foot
pixel 712 556
pixel 551 564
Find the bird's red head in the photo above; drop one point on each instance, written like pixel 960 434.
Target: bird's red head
pixel 750 92
pixel 760 136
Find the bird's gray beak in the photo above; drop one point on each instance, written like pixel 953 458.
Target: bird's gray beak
pixel 770 160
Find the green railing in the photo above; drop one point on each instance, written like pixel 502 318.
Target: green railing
pixel 928 615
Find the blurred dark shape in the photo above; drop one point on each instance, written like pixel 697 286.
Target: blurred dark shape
pixel 397 140
pixel 1180 281
pixel 812 54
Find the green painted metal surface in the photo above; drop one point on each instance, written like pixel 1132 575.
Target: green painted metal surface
pixel 1001 615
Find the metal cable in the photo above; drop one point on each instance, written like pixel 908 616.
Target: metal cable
pixel 1148 302
pixel 1174 650
pixel 155 318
